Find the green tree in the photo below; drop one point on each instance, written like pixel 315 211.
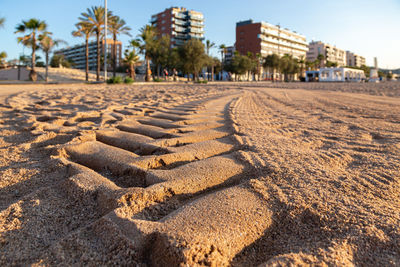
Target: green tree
pixel 330 64
pixel 321 60
pixel 47 44
pixel 94 17
pixel 146 42
pixel 222 49
pixel 132 60
pixel 160 53
pixel 59 60
pixel 289 67
pixel 3 56
pixel 31 28
pixel 240 65
pixel 84 29
pixel 193 57
pixel 210 45
pixel 272 62
pixel 117 27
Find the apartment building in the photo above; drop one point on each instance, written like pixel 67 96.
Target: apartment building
pixel 229 53
pixel 354 60
pixel 77 54
pixel 180 24
pixel 266 39
pixel 330 53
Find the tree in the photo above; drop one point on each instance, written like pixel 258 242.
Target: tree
pixel 239 65
pixel 132 60
pixel 117 26
pixel 84 29
pixel 160 53
pixel 210 45
pixel 146 42
pixel 3 56
pixel 331 64
pixel 193 57
pixel 288 66
pixel 94 17
pixel 2 20
pixel 47 44
pixel 272 62
pixel 59 60
pixel 32 27
pixel 321 59
pixel 222 49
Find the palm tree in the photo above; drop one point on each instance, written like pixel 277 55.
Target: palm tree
pixel 117 26
pixel 321 59
pixel 3 56
pixel 2 20
pixel 84 29
pixel 94 16
pixel 32 27
pixel 132 59
pixel 47 44
pixel 146 42
pixel 222 49
pixel 210 45
pixel 259 62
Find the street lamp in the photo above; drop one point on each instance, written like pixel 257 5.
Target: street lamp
pixel 105 40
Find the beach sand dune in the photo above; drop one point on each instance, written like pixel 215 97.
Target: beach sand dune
pixel 223 174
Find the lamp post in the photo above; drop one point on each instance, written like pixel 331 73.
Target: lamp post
pixel 105 40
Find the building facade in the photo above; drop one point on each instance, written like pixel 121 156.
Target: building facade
pixel 354 60
pixel 265 39
pixel 180 24
pixel 229 53
pixel 77 54
pixel 331 53
pixel 336 75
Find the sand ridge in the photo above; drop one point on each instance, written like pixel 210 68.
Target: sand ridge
pixel 229 174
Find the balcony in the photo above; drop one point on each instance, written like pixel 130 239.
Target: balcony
pixel 196 24
pixel 196 17
pixel 196 30
pixel 180 16
pixel 180 22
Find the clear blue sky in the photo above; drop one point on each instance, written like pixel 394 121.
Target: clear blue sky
pixel 366 27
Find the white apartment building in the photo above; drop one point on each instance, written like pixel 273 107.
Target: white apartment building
pixel 330 53
pixel 354 60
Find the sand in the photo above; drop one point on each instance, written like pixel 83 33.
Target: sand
pixel 241 174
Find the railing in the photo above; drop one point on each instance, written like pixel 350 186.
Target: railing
pixel 180 16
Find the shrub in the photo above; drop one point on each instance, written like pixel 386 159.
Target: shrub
pixel 128 80
pixel 158 80
pixel 201 82
pixel 114 80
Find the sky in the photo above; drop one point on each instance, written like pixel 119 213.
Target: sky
pixel 368 28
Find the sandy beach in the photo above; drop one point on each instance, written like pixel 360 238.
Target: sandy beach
pixel 223 174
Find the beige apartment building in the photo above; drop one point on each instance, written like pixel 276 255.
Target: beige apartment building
pixel 330 52
pixel 354 60
pixel 266 39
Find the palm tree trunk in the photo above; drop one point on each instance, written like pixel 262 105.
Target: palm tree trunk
pixel 132 71
pixel 147 77
pixel 87 58
pixel 98 57
pixel 47 66
pixel 114 56
pixel 212 73
pixel 32 74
